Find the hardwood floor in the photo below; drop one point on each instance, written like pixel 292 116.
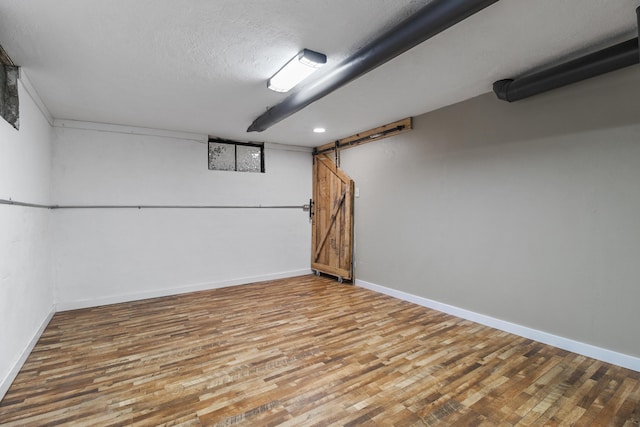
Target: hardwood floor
pixel 304 352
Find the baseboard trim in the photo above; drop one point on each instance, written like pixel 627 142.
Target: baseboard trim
pixel 15 369
pixel 116 299
pixel 603 354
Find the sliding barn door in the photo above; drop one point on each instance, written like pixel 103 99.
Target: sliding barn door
pixel 332 229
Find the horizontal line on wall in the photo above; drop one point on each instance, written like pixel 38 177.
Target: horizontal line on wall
pixel 176 207
pixel 23 204
pixel 287 147
pixel 36 205
pixel 160 133
pixel 129 130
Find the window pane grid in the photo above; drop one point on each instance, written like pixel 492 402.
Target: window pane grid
pixel 235 156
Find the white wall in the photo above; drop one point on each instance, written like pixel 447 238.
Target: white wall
pixel 526 212
pixel 26 295
pixel 78 258
pixel 114 255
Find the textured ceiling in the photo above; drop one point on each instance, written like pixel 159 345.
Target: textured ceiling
pixel 201 65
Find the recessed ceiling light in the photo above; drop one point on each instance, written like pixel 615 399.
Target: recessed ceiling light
pixel 319 130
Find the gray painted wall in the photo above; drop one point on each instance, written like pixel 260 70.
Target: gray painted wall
pixel 526 212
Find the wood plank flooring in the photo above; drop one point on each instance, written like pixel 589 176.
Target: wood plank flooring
pixel 305 351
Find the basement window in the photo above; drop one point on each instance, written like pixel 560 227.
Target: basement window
pixel 227 155
pixel 9 105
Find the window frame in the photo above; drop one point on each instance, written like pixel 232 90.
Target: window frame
pixel 235 152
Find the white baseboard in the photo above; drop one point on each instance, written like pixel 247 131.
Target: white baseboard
pixel 603 354
pixel 115 299
pixel 13 372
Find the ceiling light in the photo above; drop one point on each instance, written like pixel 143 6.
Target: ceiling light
pixel 296 70
pixel 319 130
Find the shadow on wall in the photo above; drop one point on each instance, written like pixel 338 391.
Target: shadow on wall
pixel 486 121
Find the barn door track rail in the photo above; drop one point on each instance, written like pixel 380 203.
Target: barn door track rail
pixel 375 134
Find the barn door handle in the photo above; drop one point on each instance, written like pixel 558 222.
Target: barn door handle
pixel 310 209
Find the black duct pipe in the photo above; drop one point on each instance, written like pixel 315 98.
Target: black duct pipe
pixel 432 19
pixel 603 61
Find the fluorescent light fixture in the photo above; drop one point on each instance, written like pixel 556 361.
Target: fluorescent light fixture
pixel 296 70
pixel 319 130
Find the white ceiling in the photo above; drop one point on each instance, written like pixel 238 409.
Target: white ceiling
pixel 202 65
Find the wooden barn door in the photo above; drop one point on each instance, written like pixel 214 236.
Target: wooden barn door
pixel 332 224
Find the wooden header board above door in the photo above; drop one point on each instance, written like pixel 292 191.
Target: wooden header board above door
pixel 367 136
pixel 333 203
